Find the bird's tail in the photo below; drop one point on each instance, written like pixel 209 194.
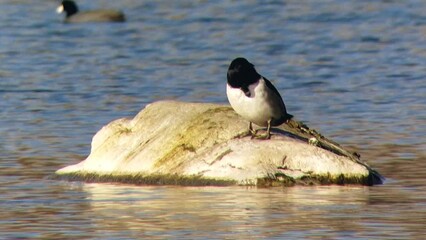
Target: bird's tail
pixel 288 117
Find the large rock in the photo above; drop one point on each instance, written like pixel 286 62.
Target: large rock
pixel 203 144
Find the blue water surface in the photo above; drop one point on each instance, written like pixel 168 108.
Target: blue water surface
pixel 354 70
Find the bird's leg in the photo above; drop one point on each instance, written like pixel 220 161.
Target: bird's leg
pixel 251 130
pixel 268 132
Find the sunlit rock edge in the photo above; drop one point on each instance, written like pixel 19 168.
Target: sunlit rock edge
pixel 178 143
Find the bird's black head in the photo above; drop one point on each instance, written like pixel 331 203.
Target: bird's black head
pixel 241 73
pixel 69 7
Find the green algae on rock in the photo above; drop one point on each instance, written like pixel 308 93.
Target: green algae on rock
pixel 172 142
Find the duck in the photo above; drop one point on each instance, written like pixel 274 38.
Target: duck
pixel 254 97
pixel 73 15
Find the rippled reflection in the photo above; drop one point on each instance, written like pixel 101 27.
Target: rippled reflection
pixel 250 212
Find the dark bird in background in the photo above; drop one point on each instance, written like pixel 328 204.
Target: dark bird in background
pixel 101 15
pixel 254 97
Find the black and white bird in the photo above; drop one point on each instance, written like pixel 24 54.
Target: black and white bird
pixel 254 97
pixel 101 15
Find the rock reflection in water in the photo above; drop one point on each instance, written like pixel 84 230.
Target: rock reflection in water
pixel 250 212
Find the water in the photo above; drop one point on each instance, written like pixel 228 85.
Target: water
pixel 354 70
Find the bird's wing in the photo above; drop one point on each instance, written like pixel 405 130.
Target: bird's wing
pixel 277 97
pixel 274 90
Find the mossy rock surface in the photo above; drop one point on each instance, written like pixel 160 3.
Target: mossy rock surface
pixel 171 142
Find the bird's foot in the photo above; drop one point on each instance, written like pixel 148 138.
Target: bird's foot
pixel 247 133
pixel 250 132
pixel 265 136
pixel 243 134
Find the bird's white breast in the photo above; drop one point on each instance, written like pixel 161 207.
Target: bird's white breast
pixel 256 108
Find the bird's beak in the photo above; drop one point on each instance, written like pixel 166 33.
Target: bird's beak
pixel 60 9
